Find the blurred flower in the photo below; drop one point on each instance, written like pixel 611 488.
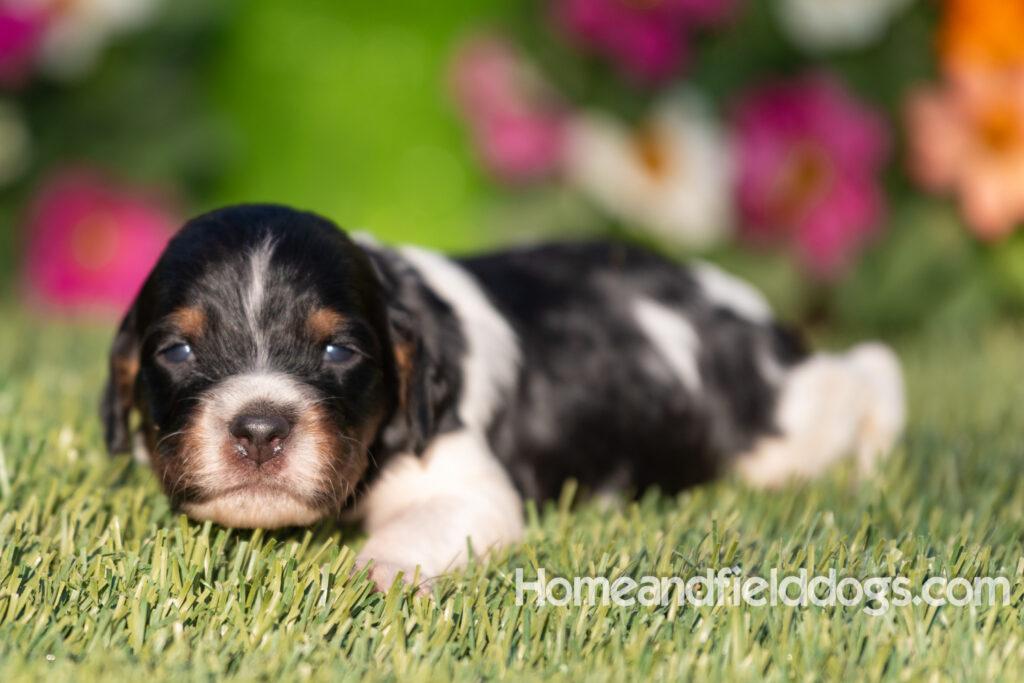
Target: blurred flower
pixel 516 120
pixel 80 29
pixel 648 39
pixel 15 143
pixel 967 138
pixel 982 33
pixel 706 13
pixel 22 25
pixel 819 25
pixel 91 243
pixel 671 176
pixel 809 155
pixel 62 37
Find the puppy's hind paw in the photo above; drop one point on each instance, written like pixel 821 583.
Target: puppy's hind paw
pixel 886 413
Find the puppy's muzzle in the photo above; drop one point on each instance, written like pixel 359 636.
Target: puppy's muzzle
pixel 260 437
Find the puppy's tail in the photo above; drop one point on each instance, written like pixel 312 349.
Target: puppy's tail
pixel 832 405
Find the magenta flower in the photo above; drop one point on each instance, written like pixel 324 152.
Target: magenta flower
pixel 22 26
pixel 516 121
pixel 809 157
pixel 91 243
pixel 647 39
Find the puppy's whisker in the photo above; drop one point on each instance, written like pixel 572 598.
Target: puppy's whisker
pixel 324 399
pixel 169 436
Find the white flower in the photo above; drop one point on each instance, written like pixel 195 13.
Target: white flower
pixel 15 144
pixel 81 28
pixel 818 25
pixel 672 176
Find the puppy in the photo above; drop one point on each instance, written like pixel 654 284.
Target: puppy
pixel 283 372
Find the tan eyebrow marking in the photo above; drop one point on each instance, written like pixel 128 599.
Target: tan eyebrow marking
pixel 190 321
pixel 324 322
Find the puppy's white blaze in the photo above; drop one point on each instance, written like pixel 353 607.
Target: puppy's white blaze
pixel 492 357
pixel 423 510
pixel 674 338
pixel 832 406
pixel 728 291
pixel 259 263
pixel 303 459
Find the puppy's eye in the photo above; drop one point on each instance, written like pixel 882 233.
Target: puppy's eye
pixel 335 353
pixel 179 353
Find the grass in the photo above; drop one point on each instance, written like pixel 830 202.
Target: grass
pixel 99 579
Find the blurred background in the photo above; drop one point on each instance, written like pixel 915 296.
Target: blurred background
pixel 861 160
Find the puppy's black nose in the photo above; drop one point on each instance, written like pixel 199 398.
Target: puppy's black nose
pixel 259 437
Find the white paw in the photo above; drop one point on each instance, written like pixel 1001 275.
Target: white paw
pixel 886 412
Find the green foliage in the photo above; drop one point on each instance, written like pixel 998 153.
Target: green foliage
pixel 99 579
pixel 343 110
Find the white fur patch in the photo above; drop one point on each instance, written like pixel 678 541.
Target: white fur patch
pixel 365 239
pixel 423 510
pixel 885 420
pixel 728 291
pixel 492 359
pixel 673 336
pixel 772 371
pixel 140 451
pixel 259 262
pixel 832 406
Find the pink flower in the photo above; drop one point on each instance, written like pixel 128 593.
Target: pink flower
pixel 648 39
pixel 62 38
pixel 91 243
pixel 809 156
pixel 516 120
pixel 22 28
pixel 966 138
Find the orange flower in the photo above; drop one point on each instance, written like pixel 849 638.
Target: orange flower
pixel 967 138
pixel 984 33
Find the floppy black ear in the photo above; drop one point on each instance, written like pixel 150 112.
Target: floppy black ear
pixel 119 395
pixel 420 386
pixel 424 382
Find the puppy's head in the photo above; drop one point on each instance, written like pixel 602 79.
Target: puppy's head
pixel 261 361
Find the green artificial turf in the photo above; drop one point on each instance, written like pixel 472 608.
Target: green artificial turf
pixel 100 580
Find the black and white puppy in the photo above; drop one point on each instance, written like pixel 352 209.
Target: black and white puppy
pixel 284 373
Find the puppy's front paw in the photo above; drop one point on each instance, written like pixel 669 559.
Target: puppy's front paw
pixel 384 573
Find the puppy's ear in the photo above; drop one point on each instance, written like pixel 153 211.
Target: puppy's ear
pixel 118 398
pixel 420 386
